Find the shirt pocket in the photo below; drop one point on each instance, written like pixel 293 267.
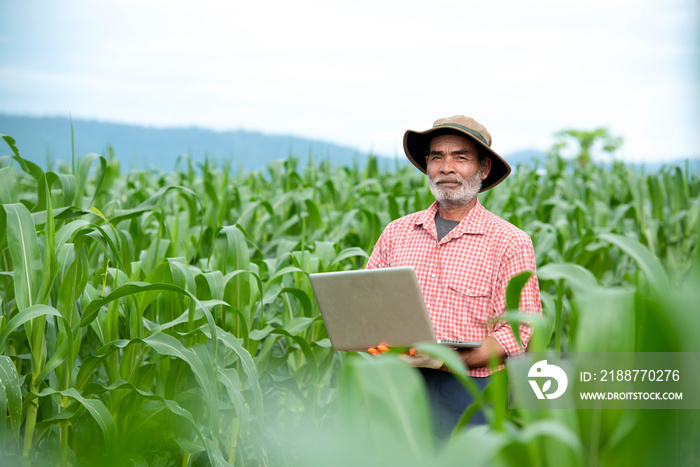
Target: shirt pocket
pixel 474 298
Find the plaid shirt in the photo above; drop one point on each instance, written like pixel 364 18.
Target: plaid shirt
pixel 464 276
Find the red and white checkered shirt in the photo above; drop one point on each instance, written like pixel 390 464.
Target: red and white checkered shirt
pixel 464 276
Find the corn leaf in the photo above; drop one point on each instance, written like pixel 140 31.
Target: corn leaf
pixel 25 253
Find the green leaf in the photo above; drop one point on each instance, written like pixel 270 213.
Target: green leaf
pixel 7 193
pixel 95 407
pixel 71 288
pixel 454 363
pixel 281 273
pixel 480 445
pixel 298 325
pixel 25 253
pixel 131 288
pixel 197 358
pixel 607 321
pixel 67 182
pixel 10 397
pixel 515 287
pixel 67 231
pixel 83 173
pixel 213 282
pixel 24 316
pixel 49 266
pixel 189 446
pixel 552 429
pixel 349 253
pixel 648 263
pixel 171 405
pixel 91 363
pixel 229 378
pixel 247 362
pixel 148 205
pixel 513 291
pixel 58 356
pixel 383 401
pixel 237 255
pixel 580 279
pixel 66 212
pixel 11 142
pixel 302 296
pixel 30 168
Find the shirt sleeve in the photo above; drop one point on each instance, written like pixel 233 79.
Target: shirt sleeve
pixel 380 254
pixel 518 259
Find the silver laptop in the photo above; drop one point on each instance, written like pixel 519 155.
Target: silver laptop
pixel 362 309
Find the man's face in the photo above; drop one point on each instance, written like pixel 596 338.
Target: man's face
pixel 454 171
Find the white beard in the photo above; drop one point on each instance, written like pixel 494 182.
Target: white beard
pixel 459 196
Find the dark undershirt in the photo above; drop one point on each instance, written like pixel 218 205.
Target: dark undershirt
pixel 444 226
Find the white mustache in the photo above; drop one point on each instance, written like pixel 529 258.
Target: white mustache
pixel 448 180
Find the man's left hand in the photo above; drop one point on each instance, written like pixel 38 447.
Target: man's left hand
pixel 479 357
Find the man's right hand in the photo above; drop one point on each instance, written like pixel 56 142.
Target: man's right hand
pixel 378 350
pixel 412 357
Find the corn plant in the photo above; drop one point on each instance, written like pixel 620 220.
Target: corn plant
pixel 166 318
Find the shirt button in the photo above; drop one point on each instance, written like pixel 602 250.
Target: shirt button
pixel 427 305
pixel 469 292
pixel 433 275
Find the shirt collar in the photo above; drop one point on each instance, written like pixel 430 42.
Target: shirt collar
pixel 473 223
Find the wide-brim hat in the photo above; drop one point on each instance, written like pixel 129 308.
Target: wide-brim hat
pixel 417 143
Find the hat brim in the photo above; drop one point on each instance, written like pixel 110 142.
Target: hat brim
pixel 417 143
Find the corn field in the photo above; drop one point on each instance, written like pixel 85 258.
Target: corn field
pixel 160 319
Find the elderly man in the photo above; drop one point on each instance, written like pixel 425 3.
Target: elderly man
pixel 463 256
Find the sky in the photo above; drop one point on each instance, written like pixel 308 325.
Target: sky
pixel 361 73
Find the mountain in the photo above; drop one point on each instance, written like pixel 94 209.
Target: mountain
pixel 49 138
pixel 42 138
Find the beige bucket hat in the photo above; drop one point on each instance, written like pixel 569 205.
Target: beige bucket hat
pixel 417 143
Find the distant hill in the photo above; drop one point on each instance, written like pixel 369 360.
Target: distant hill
pixel 40 138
